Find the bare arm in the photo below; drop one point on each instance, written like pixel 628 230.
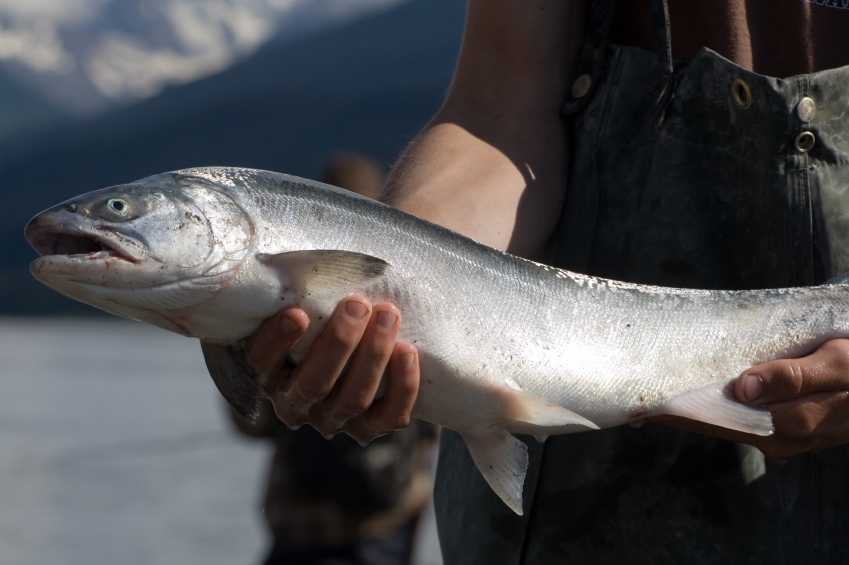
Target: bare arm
pixel 492 164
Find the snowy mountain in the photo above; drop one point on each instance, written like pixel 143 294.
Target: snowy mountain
pixel 90 55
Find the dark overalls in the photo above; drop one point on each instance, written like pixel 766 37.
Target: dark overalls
pixel 693 174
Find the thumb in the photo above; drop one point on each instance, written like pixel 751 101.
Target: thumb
pixel 825 370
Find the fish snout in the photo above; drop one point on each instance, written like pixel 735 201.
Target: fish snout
pixel 62 232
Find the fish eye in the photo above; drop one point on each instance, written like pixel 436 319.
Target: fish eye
pixel 119 206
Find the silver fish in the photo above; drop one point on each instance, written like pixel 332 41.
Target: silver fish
pixel 507 346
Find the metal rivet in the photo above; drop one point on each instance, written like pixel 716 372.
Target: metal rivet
pixel 741 93
pixel 581 86
pixel 805 141
pixel 806 110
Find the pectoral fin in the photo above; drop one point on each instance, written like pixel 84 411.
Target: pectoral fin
pixel 325 272
pixel 502 460
pixel 238 383
pixel 715 404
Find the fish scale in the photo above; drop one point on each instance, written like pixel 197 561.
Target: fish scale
pixel 506 346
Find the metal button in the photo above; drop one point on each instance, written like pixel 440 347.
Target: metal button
pixel 581 86
pixel 805 141
pixel 741 93
pixel 806 109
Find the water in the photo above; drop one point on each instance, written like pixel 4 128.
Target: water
pixel 115 448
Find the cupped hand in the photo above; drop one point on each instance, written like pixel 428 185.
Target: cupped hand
pixel 808 399
pixel 335 386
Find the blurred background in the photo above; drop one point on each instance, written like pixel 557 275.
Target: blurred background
pixel 114 444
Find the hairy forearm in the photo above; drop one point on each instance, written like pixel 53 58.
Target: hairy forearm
pixel 492 164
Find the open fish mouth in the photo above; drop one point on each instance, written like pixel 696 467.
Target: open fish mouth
pixel 74 243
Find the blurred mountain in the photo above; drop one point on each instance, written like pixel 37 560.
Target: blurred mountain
pixel 89 55
pixel 367 87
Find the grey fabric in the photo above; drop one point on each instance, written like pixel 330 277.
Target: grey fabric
pixel 693 191
pixel 717 196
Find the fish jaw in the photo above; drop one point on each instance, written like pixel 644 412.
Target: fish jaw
pixel 76 252
pixel 49 236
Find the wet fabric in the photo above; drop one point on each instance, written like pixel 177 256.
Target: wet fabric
pixel 677 181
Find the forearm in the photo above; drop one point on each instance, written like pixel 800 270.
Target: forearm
pixel 458 180
pixel 492 164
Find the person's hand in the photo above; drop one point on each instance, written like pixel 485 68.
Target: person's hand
pixel 334 388
pixel 808 399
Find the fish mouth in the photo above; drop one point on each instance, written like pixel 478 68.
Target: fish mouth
pixel 77 244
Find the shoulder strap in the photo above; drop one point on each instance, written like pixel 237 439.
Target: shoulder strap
pixel 591 64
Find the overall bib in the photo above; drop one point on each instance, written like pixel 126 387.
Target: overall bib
pixel 695 174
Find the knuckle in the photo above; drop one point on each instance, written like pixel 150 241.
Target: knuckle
pixel 310 392
pixel 791 378
pixel 345 331
pixel 362 439
pixel 841 358
pixel 355 405
pixel 839 346
pixel 285 415
pixel 377 349
pixel 800 427
pixel 401 421
pixel 392 422
pixel 326 427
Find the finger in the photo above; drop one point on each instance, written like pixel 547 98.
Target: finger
pixel 395 409
pixel 826 369
pixel 316 376
pixel 268 346
pixel 355 392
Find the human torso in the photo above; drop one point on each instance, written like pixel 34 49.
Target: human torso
pixel 778 38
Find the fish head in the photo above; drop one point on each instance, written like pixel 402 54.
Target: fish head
pixel 159 244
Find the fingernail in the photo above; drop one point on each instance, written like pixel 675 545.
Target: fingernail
pixel 363 443
pixel 356 310
pixel 329 436
pixel 407 360
pixel 753 387
pixel 386 320
pixel 289 325
pixel 294 427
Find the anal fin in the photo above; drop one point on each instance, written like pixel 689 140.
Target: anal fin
pixel 716 404
pixel 502 460
pixel 235 379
